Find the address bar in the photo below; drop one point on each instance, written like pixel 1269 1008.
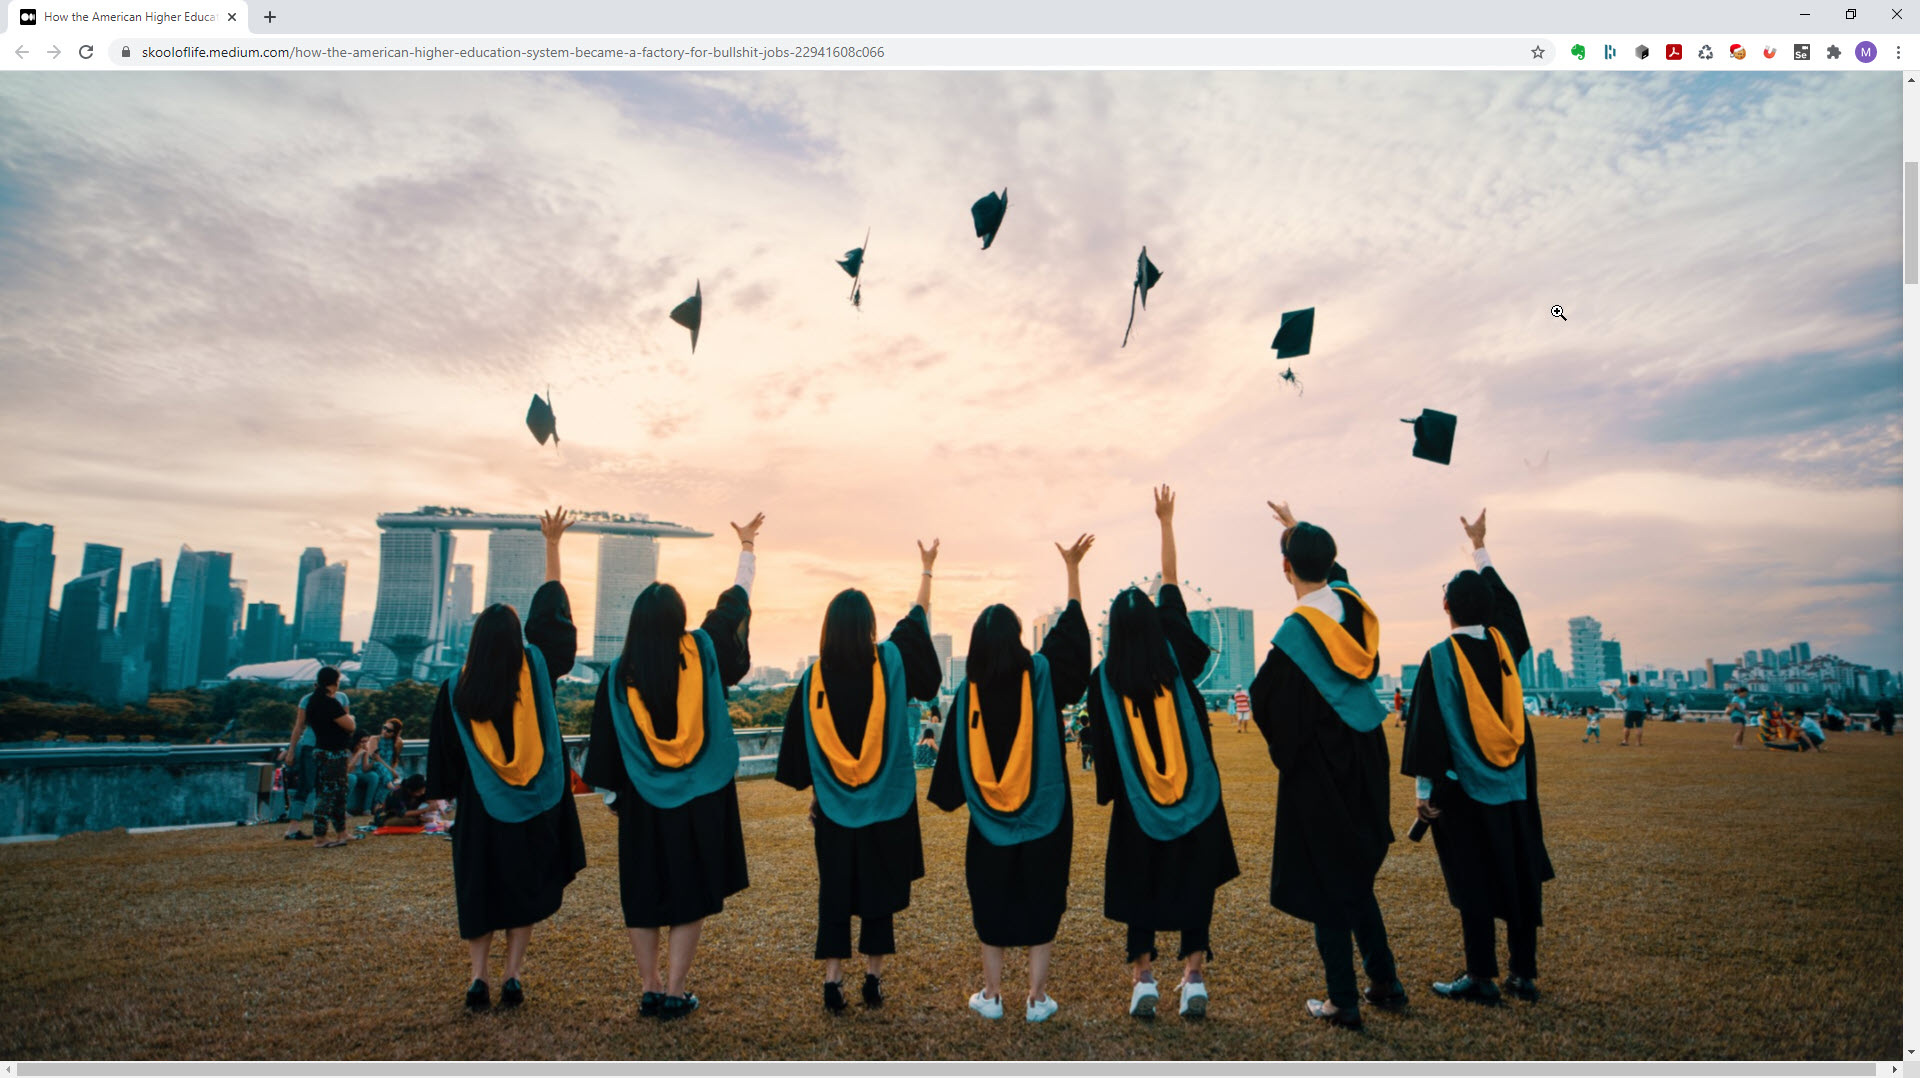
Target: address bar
pixel 841 52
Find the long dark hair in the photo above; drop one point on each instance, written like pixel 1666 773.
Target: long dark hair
pixel 847 633
pixel 650 659
pixel 996 651
pixel 327 678
pixel 490 684
pixel 1138 663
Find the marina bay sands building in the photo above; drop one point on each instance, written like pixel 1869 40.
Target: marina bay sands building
pixel 416 561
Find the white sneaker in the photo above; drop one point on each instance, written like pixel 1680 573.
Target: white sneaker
pixel 1042 1009
pixel 984 1007
pixel 1146 997
pixel 1193 1000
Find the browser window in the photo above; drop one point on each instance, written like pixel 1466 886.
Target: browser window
pixel 555 534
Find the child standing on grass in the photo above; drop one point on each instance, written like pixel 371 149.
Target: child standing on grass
pixel 1593 726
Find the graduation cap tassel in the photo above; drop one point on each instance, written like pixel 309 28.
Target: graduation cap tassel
pixel 1131 297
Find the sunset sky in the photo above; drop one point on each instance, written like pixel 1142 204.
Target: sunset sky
pixel 249 313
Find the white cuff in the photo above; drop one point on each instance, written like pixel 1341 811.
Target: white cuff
pixel 1422 788
pixel 743 577
pixel 1481 558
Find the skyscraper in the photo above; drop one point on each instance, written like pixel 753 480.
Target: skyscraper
pixel 414 563
pixel 1525 666
pixel 943 647
pixel 516 567
pixel 237 628
pixel 310 559
pixel 628 563
pixel 1610 665
pixel 1803 652
pixel 98 557
pixel 1589 663
pixel 1408 675
pixel 142 646
pixel 267 635
pixel 326 598
pixel 86 610
pixel 198 618
pixel 1548 672
pixel 459 616
pixel 26 586
pixel 1236 666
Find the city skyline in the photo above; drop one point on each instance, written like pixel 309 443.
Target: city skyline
pixel 1725 445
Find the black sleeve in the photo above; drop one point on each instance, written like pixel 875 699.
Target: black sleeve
pixel 1270 713
pixel 446 759
pixel 550 628
pixel 1191 651
pixel 793 768
pixel 1423 750
pixel 726 624
pixel 1506 615
pixel 1069 653
pixel 605 768
pixel 1098 734
pixel 944 789
pixel 917 656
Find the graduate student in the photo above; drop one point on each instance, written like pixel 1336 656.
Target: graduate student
pixel 1314 701
pixel 1168 848
pixel 1002 755
pixel 662 745
pixel 495 745
pixel 1470 751
pixel 849 736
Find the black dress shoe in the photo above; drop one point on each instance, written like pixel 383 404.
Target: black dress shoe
pixel 1388 998
pixel 650 1004
pixel 511 994
pixel 679 1006
pixel 1470 988
pixel 870 992
pixel 1522 988
pixel 1334 1016
pixel 478 998
pixel 834 997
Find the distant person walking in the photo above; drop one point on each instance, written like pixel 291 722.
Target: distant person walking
pixel 1593 726
pixel 495 745
pixel 1399 707
pixel 1883 716
pixel 323 713
pixel 1737 715
pixel 1242 710
pixel 1633 701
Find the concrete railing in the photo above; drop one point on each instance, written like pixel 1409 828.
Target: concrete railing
pixel 60 789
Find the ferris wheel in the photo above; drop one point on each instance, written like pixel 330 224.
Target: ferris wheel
pixel 1200 612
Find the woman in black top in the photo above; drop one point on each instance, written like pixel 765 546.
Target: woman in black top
pixel 333 730
pixel 1019 890
pixel 678 864
pixel 507 876
pixel 865 871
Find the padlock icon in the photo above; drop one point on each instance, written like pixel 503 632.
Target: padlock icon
pixel 125 52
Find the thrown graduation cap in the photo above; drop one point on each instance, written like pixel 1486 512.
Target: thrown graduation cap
pixel 1145 276
pixel 688 314
pixel 1295 336
pixel 540 420
pixel 988 212
pixel 852 263
pixel 1433 436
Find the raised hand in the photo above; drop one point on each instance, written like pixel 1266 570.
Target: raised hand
pixel 555 524
pixel 1283 514
pixel 927 554
pixel 1077 551
pixel 1163 502
pixel 1476 531
pixel 750 529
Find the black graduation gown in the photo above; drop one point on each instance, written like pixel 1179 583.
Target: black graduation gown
pixel 506 875
pixel 1164 886
pixel 677 865
pixel 1018 892
pixel 867 870
pixel 1494 857
pixel 1331 826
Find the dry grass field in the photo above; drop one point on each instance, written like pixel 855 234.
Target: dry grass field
pixel 1710 904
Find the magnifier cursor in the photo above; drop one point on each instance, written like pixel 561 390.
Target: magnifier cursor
pixel 1558 312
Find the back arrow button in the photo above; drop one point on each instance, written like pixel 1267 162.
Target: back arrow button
pixel 21 52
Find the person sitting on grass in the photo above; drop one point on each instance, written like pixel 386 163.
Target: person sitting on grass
pixel 1810 733
pixel 406 806
pixel 369 779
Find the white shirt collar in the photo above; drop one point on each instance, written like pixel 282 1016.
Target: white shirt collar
pixel 1324 600
pixel 1478 632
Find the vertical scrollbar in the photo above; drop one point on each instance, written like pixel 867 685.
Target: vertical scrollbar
pixel 1911 233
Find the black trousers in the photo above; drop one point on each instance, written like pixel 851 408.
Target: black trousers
pixel 1357 923
pixel 835 938
pixel 1522 940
